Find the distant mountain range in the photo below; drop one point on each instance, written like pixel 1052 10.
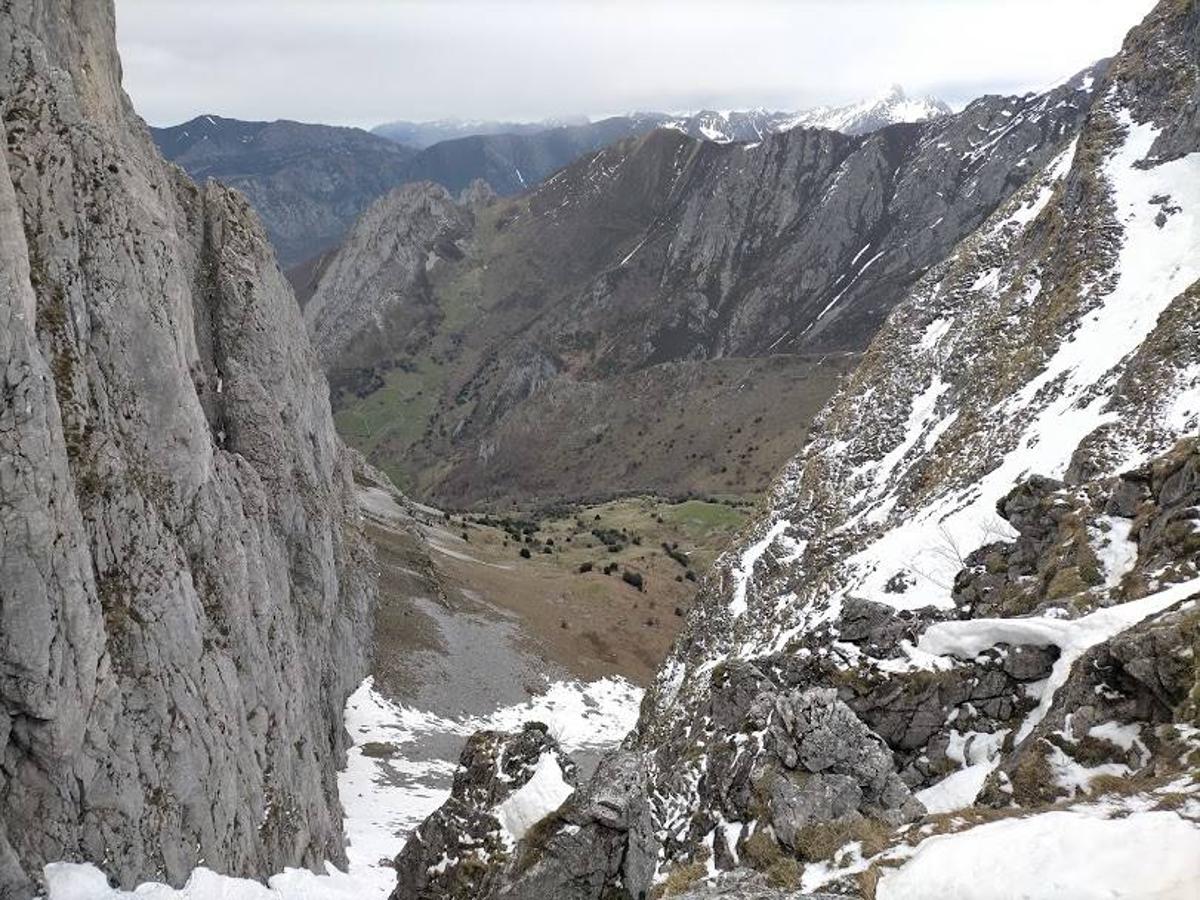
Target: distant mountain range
pixel 311 182
pixel 420 135
pixel 890 108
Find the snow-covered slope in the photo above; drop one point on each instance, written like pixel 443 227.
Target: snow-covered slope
pixel 1051 343
pixel 973 550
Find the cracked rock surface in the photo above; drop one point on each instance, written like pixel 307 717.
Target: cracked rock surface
pixel 184 594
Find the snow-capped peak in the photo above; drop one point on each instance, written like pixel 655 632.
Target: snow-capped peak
pixel 886 108
pixel 890 107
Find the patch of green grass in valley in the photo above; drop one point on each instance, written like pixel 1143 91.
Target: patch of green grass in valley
pixel 396 413
pixel 702 517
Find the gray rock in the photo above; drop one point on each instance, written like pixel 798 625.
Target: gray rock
pixel 461 849
pixel 378 282
pixel 184 595
pixel 816 732
pixel 599 839
pixel 792 804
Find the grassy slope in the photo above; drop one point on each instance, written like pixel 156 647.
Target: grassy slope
pixel 588 623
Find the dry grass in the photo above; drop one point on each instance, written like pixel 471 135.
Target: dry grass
pixel 1033 779
pixel 820 842
pixel 761 851
pixel 1128 785
pixel 785 874
pixel 680 879
pixel 868 882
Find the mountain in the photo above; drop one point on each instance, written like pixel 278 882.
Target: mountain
pixel 308 182
pixel 870 115
pixel 185 595
pixel 893 107
pixel 956 655
pixel 889 108
pixel 523 156
pixel 512 163
pixel 420 135
pixel 647 311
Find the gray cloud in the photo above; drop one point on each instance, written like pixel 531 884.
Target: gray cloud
pixel 361 62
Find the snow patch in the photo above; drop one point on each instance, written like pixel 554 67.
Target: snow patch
pixel 545 792
pixel 745 568
pixel 1115 551
pixel 1055 855
pixel 978 753
pixel 968 638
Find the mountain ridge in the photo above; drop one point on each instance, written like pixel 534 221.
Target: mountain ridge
pixel 310 182
pixel 661 251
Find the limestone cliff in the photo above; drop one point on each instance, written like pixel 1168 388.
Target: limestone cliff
pixel 183 596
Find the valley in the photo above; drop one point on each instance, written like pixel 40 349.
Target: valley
pixel 741 504
pixel 595 591
pixel 651 311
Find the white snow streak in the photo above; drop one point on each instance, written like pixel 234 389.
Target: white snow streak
pixel 968 638
pixel 745 568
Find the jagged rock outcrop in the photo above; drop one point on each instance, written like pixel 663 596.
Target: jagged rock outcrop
pixel 518 826
pixel 184 600
pixel 504 786
pixel 599 841
pixel 645 269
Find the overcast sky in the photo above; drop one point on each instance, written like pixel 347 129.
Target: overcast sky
pixel 362 62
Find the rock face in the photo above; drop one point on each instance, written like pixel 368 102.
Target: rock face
pixel 601 840
pixel 308 183
pixel 184 599
pixel 361 283
pixel 635 266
